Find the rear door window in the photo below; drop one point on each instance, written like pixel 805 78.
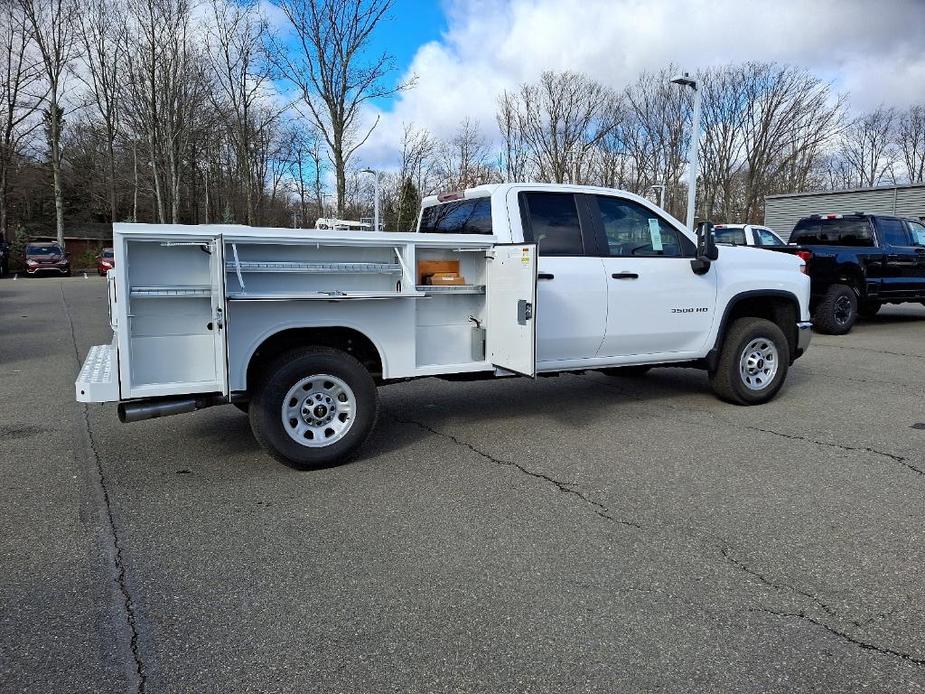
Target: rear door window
pixel 847 231
pixel 726 235
pixel 892 231
pixel 551 222
pixel 471 216
pixel 918 233
pixel 766 238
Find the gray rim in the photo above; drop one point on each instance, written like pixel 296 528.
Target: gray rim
pixel 758 363
pixel 318 411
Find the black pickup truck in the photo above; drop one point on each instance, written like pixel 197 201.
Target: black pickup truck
pixel 857 263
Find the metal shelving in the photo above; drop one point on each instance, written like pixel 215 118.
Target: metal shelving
pixel 315 267
pixel 451 288
pixel 171 292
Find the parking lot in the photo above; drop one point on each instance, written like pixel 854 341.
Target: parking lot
pixel 581 533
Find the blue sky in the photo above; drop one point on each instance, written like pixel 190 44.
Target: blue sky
pixel 411 23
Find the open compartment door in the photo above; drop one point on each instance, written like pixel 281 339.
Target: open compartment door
pixel 511 333
pixel 219 319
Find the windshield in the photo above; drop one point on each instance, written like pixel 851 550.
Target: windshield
pixel 459 217
pixel 727 235
pixel 107 254
pixel 847 231
pixel 43 250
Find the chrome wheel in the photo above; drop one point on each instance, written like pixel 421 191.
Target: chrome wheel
pixel 842 310
pixel 758 363
pixel 318 411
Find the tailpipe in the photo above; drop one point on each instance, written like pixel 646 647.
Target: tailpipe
pixel 163 407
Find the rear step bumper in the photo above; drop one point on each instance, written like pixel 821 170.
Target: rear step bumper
pixel 98 380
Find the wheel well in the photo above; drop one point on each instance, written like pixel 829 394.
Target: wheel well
pixel 348 340
pixel 778 308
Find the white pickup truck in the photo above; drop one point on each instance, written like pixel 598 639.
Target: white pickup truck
pixel 298 327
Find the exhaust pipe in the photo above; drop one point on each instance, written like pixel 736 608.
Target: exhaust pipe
pixel 163 407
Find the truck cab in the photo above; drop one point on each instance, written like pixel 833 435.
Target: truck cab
pixel 299 327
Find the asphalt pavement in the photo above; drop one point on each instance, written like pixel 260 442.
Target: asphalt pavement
pixel 579 533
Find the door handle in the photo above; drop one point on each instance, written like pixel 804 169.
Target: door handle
pixel 625 276
pixel 545 276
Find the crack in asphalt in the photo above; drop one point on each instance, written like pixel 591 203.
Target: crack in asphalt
pixel 114 547
pixel 783 587
pixel 727 555
pixel 868 349
pixel 563 487
pixel 794 437
pixel 866 645
pixel 856 449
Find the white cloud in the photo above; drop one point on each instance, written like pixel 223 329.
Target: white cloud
pixel 875 50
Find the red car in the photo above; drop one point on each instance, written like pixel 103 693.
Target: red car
pixel 105 261
pixel 47 256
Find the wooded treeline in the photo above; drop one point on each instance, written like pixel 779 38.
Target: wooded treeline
pixel 174 111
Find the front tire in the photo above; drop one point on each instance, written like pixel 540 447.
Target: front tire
pixel 313 407
pixel 838 310
pixel 753 362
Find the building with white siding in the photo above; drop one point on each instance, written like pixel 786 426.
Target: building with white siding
pixel 782 212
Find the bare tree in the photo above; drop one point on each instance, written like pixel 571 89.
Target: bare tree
pixel 53 31
pixel 868 147
pixel 559 120
pixel 241 73
pixel 911 137
pixel 464 160
pixel 328 68
pixel 165 94
pixel 103 52
pixel 657 134
pixel 20 95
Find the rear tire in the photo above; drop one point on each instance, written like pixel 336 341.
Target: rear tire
pixel 837 312
pixel 869 309
pixel 753 362
pixel 628 371
pixel 313 407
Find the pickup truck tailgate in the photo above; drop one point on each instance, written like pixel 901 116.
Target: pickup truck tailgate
pixel 98 378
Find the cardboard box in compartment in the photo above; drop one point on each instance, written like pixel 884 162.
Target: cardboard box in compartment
pixel 445 279
pixel 444 270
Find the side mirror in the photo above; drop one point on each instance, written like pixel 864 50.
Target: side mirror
pixel 707 250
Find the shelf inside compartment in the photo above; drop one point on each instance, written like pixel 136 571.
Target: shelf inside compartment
pixel 171 292
pixel 320 296
pixel 451 288
pixel 316 267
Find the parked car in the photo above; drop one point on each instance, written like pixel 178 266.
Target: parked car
pixel 857 263
pixel 4 258
pixel 105 261
pixel 47 256
pixel 746 235
pixel 303 325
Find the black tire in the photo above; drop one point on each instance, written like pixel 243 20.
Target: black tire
pixel 628 371
pixel 869 309
pixel 837 312
pixel 274 383
pixel 728 381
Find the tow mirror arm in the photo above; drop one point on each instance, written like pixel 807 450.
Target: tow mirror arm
pixel 707 250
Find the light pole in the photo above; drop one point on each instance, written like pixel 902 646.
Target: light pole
pixel 686 80
pixel 375 175
pixel 660 187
